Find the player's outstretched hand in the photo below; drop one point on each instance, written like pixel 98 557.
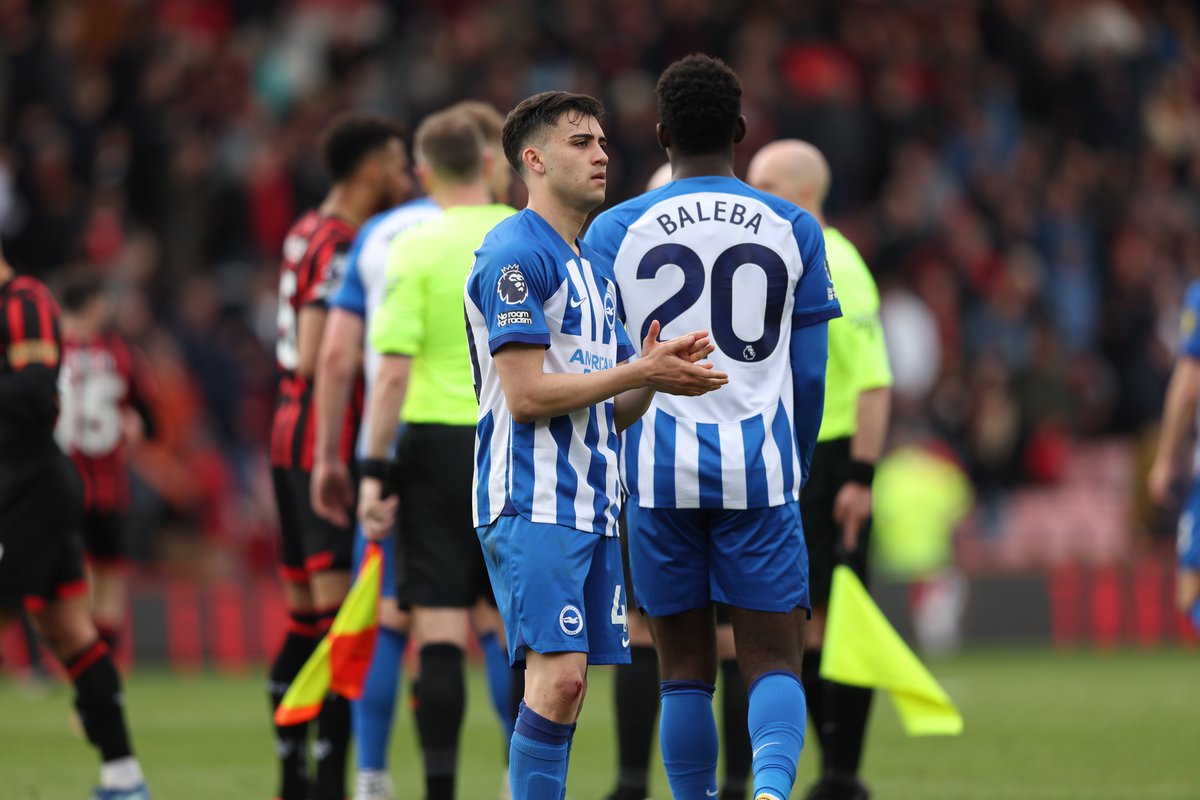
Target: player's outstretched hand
pixel 675 366
pixel 331 491
pixel 376 512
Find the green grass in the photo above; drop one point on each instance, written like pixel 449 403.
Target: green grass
pixel 1038 725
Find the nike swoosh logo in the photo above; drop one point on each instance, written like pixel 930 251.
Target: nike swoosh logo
pixel 624 641
pixel 707 793
pixel 577 304
pixel 760 747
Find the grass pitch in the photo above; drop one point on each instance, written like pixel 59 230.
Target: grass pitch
pixel 1101 726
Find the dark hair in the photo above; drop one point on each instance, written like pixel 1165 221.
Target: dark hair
pixel 351 137
pixel 450 143
pixel 534 114
pixel 79 289
pixel 699 102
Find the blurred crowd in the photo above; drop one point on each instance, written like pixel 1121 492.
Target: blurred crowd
pixel 1022 177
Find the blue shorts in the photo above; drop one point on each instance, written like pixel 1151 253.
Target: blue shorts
pixel 388 584
pixel 558 589
pixel 1187 542
pixel 686 558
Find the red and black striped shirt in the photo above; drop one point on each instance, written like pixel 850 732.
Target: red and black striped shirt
pixel 314 255
pixel 101 382
pixel 30 356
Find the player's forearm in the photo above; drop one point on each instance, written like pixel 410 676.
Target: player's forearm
pixel 387 398
pixel 873 409
pixel 309 331
pixel 547 395
pixel 1179 410
pixel 335 374
pixel 809 356
pixel 631 406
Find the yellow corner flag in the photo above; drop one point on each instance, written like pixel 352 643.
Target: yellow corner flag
pixel 341 660
pixel 863 649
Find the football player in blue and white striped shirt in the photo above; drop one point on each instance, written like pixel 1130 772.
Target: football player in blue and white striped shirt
pixel 714 481
pixel 554 392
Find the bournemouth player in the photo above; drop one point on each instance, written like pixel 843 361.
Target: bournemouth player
pixel 836 503
pixel 1178 428
pixel 714 482
pixel 554 390
pixel 425 380
pixel 105 394
pixel 366 161
pixel 41 564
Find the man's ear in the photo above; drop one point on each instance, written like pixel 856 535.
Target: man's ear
pixel 532 159
pixel 739 129
pixel 425 176
pixel 664 138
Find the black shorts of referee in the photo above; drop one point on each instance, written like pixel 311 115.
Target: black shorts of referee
pixel 829 472
pixel 443 560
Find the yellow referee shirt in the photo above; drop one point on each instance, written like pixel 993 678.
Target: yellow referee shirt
pixel 858 358
pixel 422 312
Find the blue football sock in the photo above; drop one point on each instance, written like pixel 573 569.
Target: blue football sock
pixel 372 713
pixel 687 733
pixel 566 771
pixel 776 717
pixel 499 675
pixel 537 756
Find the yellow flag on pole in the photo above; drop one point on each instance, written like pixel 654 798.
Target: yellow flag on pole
pixel 863 649
pixel 340 662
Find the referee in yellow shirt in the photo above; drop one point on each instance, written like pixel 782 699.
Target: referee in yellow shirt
pixel 836 502
pixel 426 371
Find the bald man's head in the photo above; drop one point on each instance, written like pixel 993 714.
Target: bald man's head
pixel 793 170
pixel 661 177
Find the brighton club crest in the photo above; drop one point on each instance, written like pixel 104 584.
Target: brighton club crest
pixel 512 287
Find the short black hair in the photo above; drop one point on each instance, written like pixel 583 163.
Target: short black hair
pixel 451 144
pixel 79 289
pixel 353 136
pixel 534 114
pixel 699 102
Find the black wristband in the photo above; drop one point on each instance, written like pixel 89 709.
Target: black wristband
pixel 861 472
pixel 376 468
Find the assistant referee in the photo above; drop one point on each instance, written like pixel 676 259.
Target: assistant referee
pixel 835 504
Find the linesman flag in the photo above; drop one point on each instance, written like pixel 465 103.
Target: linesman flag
pixel 863 649
pixel 340 662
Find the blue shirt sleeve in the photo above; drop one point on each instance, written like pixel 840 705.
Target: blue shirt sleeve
pixel 604 236
pixel 1188 329
pixel 816 301
pixel 509 285
pixel 351 295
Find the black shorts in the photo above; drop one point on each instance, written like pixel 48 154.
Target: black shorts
pixel 829 471
pixel 104 537
pixel 307 543
pixel 443 560
pixel 40 553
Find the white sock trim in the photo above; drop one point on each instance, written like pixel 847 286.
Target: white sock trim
pixel 123 773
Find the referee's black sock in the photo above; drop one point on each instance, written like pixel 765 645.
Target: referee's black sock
pixel 291 740
pixel 440 715
pixel 850 706
pixel 735 704
pixel 636 696
pixel 818 708
pixel 333 732
pixel 98 701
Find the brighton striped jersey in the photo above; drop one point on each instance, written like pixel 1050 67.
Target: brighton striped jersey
pixel 361 291
pixel 714 254
pixel 1189 347
pixel 529 286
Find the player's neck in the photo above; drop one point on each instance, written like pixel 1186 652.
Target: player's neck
pixel 350 202
pixel 461 194
pixel 716 165
pixel 566 221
